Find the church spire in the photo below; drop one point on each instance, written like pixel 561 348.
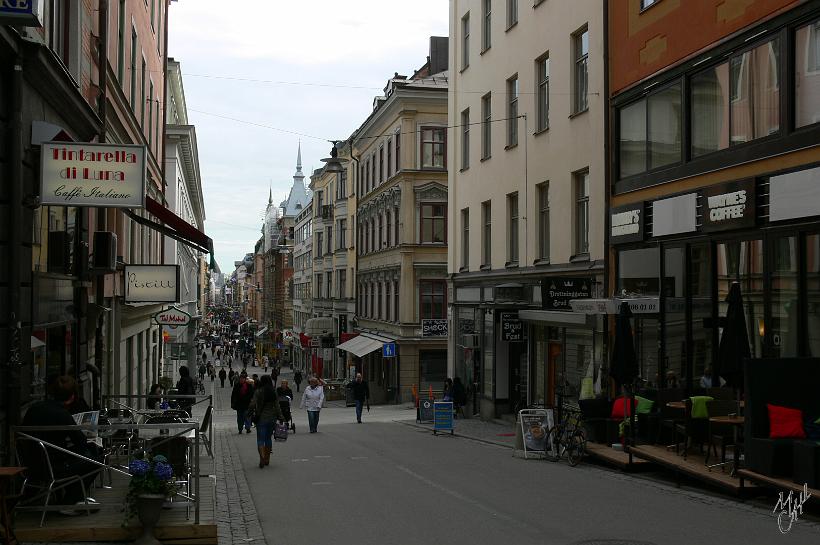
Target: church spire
pixel 270 196
pixel 299 158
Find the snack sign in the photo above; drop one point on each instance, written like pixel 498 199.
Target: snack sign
pixel 172 317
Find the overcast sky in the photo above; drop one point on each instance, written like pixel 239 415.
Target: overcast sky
pixel 335 57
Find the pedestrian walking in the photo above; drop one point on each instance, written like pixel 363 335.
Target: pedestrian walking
pixel 297 378
pixel 265 405
pixel 185 386
pixel 361 394
pixel 222 376
pixel 241 397
pixel 231 374
pixel 202 370
pixel 312 400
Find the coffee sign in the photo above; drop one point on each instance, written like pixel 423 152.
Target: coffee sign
pixel 152 283
pixel 557 292
pixel 434 328
pixel 729 206
pixel 172 317
pixel 626 223
pixel 84 174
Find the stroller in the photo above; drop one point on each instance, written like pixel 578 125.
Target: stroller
pixel 284 403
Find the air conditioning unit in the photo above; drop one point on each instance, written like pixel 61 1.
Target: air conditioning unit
pixel 59 252
pixel 104 258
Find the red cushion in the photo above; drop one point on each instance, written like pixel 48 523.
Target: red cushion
pixel 618 407
pixel 785 423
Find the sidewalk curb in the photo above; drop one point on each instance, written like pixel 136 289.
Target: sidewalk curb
pixel 457 434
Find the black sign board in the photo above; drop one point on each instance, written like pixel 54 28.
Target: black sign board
pixel 426 409
pixel 434 328
pixel 512 328
pixel 729 206
pixel 342 324
pixel 556 292
pixel 626 223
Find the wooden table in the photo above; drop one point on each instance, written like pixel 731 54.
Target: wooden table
pixel 736 422
pixel 681 405
pixel 6 476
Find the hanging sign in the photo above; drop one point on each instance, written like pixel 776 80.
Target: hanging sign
pixel 434 328
pixel 557 292
pixel 152 283
pixel 172 317
pixel 85 174
pixel 729 206
pixel 512 328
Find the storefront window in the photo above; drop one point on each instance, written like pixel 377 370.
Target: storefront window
pixel 785 312
pixel 807 74
pixel 433 369
pixel 467 344
pixel 813 294
pixel 489 355
pixel 742 261
pixel 638 271
pixel 700 284
pixel 674 304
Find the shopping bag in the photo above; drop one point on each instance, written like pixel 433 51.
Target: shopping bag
pixel 280 432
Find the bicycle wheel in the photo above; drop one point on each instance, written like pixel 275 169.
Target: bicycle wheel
pixel 576 447
pixel 553 452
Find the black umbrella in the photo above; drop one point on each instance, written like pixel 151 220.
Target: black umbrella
pixel 624 366
pixel 734 342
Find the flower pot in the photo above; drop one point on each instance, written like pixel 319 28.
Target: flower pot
pixel 149 508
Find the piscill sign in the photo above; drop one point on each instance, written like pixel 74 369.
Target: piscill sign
pixel 152 283
pixel 84 174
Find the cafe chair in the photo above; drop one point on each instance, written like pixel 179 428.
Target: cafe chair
pixel 204 429
pixel 691 431
pixel 39 474
pixel 721 436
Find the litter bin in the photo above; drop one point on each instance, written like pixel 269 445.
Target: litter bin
pixel 349 401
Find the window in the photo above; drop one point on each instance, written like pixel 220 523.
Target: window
pixel 543 93
pixel 150 113
pixel 465 41
pixel 581 55
pixel 319 286
pixel 329 275
pixel 433 147
pixel 396 316
pixel 319 241
pixel 512 242
pixel 58 28
pixel 381 164
pixel 361 186
pixel 633 139
pixel 486 126
pixel 389 158
pixel 807 74
pixel 660 114
pixel 433 299
pixel 342 234
pixel 512 12
pixel 121 43
pixel 373 179
pixel 341 275
pixel 465 139
pixel 381 234
pixel 646 3
pixel 398 151
pixel 581 212
pixel 396 238
pixel 367 176
pixel 512 111
pixel 387 300
pixel 465 238
pixel 341 185
pixel 486 234
pixel 433 223
pixel 486 35
pixel 741 95
pixel 133 67
pixel 544 221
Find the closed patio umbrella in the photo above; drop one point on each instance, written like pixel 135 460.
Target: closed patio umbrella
pixel 734 342
pixel 624 366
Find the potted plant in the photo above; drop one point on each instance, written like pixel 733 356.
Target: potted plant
pixel 151 484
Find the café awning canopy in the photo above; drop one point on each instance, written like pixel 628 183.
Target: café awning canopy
pixel 360 346
pixel 173 226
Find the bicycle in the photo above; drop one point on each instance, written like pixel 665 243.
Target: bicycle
pixel 568 437
pixel 200 387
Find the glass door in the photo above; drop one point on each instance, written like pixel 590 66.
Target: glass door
pixel 742 261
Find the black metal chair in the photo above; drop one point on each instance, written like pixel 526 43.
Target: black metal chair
pixel 692 430
pixel 721 436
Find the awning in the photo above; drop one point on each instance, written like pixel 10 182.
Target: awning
pixel 36 343
pixel 174 226
pixel 556 317
pixel 360 346
pixel 261 331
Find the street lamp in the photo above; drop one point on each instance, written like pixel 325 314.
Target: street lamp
pixel 333 163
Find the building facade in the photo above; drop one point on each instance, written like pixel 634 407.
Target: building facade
pixel 715 177
pixel 527 198
pixel 400 159
pixel 302 286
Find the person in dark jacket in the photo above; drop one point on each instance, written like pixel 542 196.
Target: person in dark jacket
pixel 241 397
pixel 297 378
pixel 266 406
pixel 222 376
pixel 54 412
pixel 361 394
pixel 185 386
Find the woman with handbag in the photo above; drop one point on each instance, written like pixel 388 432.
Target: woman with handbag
pixel 266 411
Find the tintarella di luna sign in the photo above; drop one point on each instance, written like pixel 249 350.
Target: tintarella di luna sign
pixel 84 174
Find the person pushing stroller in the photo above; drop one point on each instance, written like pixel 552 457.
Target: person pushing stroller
pixel 285 395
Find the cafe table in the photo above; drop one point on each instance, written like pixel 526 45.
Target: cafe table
pixel 7 474
pixel 737 423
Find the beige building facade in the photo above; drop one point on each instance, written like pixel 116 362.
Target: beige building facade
pixel 527 197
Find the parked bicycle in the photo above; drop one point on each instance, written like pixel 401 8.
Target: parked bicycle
pixel 568 437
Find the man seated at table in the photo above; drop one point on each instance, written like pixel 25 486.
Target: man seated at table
pixel 54 412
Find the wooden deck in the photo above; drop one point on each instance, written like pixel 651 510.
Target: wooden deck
pixel 777 484
pixel 105 525
pixel 616 458
pixel 693 466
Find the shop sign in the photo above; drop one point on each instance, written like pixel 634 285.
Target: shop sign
pixel 152 283
pixel 626 224
pixel 434 328
pixel 556 293
pixel 794 195
pixel 84 174
pixel 729 206
pixel 172 317
pixel 638 305
pixel 21 12
pixel 512 328
pixel 675 215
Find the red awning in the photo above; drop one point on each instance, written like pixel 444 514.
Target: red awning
pixel 304 340
pixel 181 227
